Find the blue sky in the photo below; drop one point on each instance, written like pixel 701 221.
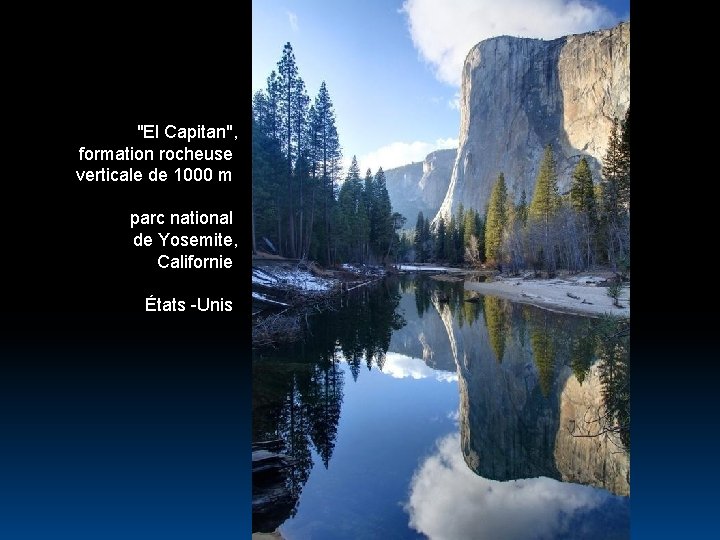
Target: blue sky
pixel 392 67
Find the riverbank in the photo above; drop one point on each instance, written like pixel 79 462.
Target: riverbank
pixel 285 291
pixel 583 294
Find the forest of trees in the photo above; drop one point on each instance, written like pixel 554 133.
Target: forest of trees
pixel 301 207
pixel 587 226
pixel 460 240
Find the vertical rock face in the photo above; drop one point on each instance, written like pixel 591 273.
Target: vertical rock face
pixel 420 187
pixel 518 95
pixel 589 460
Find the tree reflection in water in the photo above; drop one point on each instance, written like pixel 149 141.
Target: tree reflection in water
pixel 298 387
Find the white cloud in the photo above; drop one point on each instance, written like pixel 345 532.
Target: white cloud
pixel 444 32
pixel 448 501
pixel 292 18
pixel 397 154
pixel 400 366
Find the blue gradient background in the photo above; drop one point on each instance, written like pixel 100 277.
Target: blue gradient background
pixel 143 440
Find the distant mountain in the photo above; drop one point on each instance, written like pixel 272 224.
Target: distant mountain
pixel 420 186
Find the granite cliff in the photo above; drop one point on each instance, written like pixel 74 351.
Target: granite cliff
pixel 519 94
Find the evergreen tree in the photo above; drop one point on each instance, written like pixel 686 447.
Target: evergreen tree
pixel 292 109
pixel 440 240
pixel 546 198
pixel 480 232
pixel 369 201
pixel 450 250
pixel 353 219
pixel 427 239
pixel 613 171
pixel 267 177
pixel 495 221
pixel 582 200
pixel 615 219
pixel 582 191
pixel 459 234
pixel 469 226
pixel 624 191
pixel 521 211
pixel 381 216
pixel 326 157
pixel 419 242
pixel 543 208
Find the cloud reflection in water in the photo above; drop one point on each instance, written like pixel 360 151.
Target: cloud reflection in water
pixel 401 366
pixel 448 501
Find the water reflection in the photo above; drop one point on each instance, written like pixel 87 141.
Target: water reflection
pixel 448 501
pixel 553 405
pixel 298 388
pixel 543 407
pixel 401 367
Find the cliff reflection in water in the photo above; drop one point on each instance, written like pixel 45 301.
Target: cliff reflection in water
pixel 541 393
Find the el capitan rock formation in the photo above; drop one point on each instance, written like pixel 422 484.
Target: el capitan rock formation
pixel 519 94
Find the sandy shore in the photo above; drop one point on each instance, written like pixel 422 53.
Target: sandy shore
pixel 553 294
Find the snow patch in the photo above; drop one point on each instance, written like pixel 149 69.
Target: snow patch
pixel 264 298
pixel 295 278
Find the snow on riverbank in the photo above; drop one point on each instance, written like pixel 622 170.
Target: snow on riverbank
pixel 572 295
pixel 287 278
pixel 263 298
pixel 422 268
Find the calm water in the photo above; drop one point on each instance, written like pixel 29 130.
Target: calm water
pixel 413 413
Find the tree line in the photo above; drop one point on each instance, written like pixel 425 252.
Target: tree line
pixel 587 226
pixel 301 208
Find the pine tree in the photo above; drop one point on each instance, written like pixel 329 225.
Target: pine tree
pixel 267 175
pixel 469 226
pixel 440 240
pixel 582 191
pixel 460 234
pixel 427 239
pixel 292 109
pixel 369 201
pixel 382 216
pixel 624 191
pixel 449 249
pixel 495 221
pixel 521 211
pixel 480 232
pixel 326 156
pixel 353 220
pixel 582 200
pixel 615 221
pixel 546 198
pixel 419 241
pixel 544 206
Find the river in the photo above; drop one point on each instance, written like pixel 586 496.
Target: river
pixel 419 410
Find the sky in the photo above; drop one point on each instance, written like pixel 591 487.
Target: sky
pixel 392 67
